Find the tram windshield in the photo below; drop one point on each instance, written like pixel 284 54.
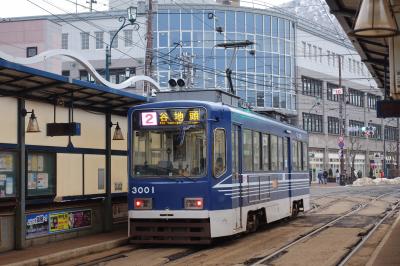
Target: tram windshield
pixel 178 152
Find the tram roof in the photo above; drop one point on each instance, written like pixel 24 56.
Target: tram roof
pixel 20 81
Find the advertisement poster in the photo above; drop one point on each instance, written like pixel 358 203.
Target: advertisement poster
pixel 59 222
pixel 65 221
pixel 40 163
pixel 42 180
pixel 9 185
pixel 6 162
pixel 2 186
pixel 37 225
pixel 32 180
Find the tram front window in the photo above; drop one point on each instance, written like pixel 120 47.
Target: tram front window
pixel 173 153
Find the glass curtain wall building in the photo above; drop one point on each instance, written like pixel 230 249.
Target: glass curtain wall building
pixel 185 40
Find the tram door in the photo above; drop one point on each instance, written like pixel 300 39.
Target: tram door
pixel 236 175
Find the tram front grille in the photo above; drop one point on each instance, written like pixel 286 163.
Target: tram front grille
pixel 170 231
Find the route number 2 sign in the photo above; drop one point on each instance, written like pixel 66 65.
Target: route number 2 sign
pixel 149 119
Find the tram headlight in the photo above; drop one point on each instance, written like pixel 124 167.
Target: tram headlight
pixel 194 203
pixel 143 203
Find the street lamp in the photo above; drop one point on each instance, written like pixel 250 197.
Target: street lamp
pixel 132 15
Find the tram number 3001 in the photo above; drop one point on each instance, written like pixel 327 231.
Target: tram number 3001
pixel 142 190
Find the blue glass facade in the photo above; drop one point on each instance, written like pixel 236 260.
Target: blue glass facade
pixel 262 74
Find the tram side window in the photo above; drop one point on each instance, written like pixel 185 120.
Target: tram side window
pixel 256 151
pixel 280 153
pixel 305 156
pixel 296 158
pixel 266 150
pixel 247 151
pixel 274 152
pixel 295 166
pixel 219 164
pixel 285 153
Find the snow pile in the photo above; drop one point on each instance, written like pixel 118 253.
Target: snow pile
pixel 364 181
pixel 382 181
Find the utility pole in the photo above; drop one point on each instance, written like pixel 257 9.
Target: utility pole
pixel 91 2
pixel 149 49
pixel 341 120
pixel 188 69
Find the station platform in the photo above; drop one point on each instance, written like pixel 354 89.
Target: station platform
pixel 387 252
pixel 64 250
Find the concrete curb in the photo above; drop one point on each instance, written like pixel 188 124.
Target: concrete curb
pixel 382 243
pixel 72 253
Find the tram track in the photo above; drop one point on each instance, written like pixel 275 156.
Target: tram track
pixel 356 208
pixel 364 238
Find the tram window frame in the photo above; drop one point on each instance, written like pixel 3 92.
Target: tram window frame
pixel 266 163
pixel 223 171
pixel 256 149
pixel 245 159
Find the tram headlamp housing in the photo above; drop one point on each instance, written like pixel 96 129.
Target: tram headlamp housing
pixel 194 203
pixel 143 203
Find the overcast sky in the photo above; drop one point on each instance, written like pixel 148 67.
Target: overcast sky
pixel 21 8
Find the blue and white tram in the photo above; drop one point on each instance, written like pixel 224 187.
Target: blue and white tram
pixel 201 170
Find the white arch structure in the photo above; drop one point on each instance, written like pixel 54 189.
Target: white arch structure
pixel 85 63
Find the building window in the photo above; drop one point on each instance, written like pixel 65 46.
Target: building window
pixel 99 40
pixel 333 125
pixel 41 176
pixel 65 73
pixel 358 68
pixel 312 123
pixel 350 69
pixel 391 133
pixel 355 97
pixel 128 38
pixel 309 51
pixel 64 41
pixel 320 54
pixel 8 174
pixel 315 53
pixel 115 42
pixel 372 99
pixel 311 87
pixel 31 51
pixel 330 95
pixel 304 49
pixel 377 129
pixel 329 58
pixel 84 40
pixel 355 128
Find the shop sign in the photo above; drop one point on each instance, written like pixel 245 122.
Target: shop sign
pixel 37 225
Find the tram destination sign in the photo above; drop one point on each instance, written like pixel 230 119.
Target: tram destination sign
pixel 171 117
